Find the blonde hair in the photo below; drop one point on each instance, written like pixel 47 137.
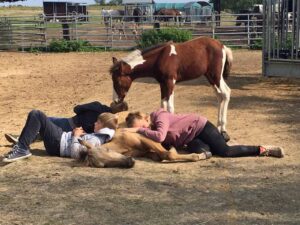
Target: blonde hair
pixel 133 116
pixel 109 120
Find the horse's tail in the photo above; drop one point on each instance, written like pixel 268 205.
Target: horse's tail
pixel 228 62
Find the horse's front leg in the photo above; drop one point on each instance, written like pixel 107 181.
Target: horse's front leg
pixel 167 95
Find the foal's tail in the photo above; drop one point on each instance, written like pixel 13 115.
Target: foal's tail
pixel 228 63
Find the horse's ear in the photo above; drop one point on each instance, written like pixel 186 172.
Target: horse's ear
pixel 114 60
pixel 84 143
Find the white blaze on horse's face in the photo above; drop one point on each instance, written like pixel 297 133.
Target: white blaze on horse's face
pixel 173 50
pixel 135 58
pixel 115 96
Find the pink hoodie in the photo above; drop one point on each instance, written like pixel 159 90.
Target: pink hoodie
pixel 174 129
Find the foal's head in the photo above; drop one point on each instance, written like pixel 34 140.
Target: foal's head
pixel 120 72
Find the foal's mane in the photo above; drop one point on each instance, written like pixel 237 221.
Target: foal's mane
pixel 116 66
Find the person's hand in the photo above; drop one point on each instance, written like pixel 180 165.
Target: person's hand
pixel 132 130
pixel 78 131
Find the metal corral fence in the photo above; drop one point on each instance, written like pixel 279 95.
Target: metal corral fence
pixel 238 30
pixel 281 38
pixel 21 32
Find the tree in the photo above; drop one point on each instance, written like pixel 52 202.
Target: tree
pixel 115 2
pixel 100 2
pixel 235 6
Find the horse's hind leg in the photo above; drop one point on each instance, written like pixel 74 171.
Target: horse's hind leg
pixel 193 157
pixel 167 95
pixel 223 96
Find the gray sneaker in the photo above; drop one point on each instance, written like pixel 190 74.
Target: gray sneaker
pixel 17 153
pixel 274 151
pixel 12 138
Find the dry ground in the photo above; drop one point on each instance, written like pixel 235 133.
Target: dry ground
pixel 50 190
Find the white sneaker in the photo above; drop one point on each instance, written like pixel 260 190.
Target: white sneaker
pixel 274 151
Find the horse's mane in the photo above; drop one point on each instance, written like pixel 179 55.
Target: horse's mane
pixel 126 59
pixel 133 54
pixel 114 67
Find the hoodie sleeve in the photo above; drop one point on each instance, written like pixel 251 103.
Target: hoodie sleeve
pixel 76 148
pixel 160 120
pixel 106 132
pixel 92 106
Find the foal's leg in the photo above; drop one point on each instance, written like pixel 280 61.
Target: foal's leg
pixel 193 157
pixel 223 96
pixel 167 95
pixel 171 155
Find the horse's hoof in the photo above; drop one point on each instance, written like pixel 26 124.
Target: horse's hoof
pixel 225 136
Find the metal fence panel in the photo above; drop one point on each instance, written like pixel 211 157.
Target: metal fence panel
pixel 122 32
pixel 21 32
pixel 281 52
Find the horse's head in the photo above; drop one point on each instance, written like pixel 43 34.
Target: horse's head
pixel 120 72
pixel 103 157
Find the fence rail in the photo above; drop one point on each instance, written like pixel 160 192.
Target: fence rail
pixel 240 30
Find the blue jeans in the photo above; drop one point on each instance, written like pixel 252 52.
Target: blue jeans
pixel 63 123
pixel 38 122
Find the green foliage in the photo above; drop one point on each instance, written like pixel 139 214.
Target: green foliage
pixel 65 46
pixel 153 37
pixel 100 2
pixel 115 2
pixel 68 46
pixel 71 46
pixel 235 6
pixel 256 45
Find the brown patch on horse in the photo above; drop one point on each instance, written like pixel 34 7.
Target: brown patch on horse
pixel 149 49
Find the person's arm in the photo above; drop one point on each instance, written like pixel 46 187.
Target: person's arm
pixel 161 122
pixel 76 147
pixel 92 106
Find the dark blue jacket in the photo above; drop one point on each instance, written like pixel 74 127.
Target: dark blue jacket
pixel 87 114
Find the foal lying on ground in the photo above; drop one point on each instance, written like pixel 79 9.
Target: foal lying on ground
pixel 126 145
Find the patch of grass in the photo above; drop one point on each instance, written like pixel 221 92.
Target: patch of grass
pixel 66 46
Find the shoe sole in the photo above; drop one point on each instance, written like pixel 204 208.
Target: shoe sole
pixel 16 159
pixel 11 139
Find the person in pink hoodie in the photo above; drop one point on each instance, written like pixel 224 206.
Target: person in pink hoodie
pixel 192 131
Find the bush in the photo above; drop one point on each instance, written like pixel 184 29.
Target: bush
pixel 154 37
pixel 256 45
pixel 68 46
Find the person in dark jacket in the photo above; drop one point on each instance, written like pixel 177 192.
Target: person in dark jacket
pixel 85 116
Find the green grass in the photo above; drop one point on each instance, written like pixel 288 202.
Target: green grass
pixel 20 11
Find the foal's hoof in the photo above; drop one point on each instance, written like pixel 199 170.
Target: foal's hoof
pixel 225 136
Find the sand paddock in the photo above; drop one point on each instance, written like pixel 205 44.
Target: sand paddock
pixel 51 190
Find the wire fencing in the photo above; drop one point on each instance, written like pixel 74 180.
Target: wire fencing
pixel 123 32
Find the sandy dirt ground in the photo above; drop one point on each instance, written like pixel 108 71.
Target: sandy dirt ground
pixel 51 190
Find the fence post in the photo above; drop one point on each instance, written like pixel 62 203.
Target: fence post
pixel 76 28
pixel 111 32
pixel 45 30
pixel 213 26
pixel 248 29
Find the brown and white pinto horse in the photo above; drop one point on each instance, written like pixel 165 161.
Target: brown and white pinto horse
pixel 171 63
